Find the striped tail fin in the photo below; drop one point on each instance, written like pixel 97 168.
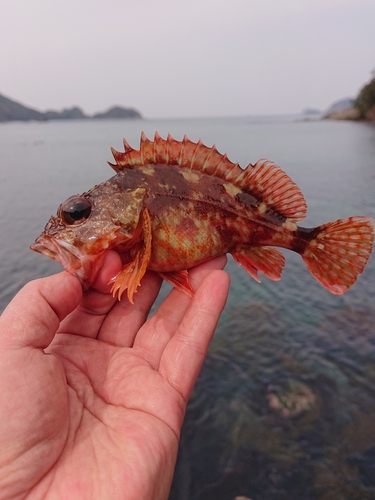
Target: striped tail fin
pixel 339 252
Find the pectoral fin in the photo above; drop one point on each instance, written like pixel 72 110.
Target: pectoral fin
pixel 129 278
pixel 265 259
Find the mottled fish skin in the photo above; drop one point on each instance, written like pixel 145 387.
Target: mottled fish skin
pixel 195 216
pixel 174 204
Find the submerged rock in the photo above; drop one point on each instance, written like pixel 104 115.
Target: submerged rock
pixel 294 399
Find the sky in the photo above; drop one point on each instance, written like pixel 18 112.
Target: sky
pixel 186 58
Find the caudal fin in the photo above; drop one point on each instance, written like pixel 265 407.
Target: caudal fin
pixel 339 252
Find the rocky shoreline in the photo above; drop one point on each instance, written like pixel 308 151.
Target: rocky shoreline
pixel 351 114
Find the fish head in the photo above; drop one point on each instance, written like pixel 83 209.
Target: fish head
pixel 89 224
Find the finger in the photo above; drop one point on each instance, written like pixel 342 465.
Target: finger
pixel 155 335
pixel 34 315
pixel 126 319
pixel 183 356
pixel 87 319
pixel 123 323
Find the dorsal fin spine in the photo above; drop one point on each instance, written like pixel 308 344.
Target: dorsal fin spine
pixel 212 154
pixel 127 146
pixel 189 156
pixel 142 146
pixel 196 149
pixel 159 148
pixel 157 139
pixel 206 161
pixel 181 152
pixel 234 170
pixel 169 144
pixel 114 166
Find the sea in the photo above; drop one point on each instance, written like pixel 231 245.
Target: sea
pixel 284 407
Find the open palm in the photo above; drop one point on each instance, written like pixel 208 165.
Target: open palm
pixel 95 411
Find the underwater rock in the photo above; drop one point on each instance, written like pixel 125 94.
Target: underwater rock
pixel 295 399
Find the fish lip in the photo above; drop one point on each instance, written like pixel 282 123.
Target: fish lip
pixel 64 253
pixel 76 261
pixel 44 250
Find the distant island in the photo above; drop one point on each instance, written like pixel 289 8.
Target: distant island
pixel 11 111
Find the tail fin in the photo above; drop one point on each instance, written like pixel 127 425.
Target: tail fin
pixel 339 252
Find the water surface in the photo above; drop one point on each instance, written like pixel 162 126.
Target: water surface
pixel 285 404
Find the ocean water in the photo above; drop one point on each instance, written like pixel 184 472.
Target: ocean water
pixel 285 404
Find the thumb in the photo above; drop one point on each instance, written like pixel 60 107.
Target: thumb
pixel 33 316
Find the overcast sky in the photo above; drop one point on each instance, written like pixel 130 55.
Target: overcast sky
pixel 194 58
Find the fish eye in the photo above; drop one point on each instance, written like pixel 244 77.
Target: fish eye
pixel 75 211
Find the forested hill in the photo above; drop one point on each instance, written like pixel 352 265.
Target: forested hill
pixel 11 110
pixel 365 101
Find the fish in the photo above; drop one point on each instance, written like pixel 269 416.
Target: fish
pixel 172 205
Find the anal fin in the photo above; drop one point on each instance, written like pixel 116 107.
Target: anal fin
pixel 265 259
pixel 180 280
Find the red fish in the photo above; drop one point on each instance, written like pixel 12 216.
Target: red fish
pixel 175 204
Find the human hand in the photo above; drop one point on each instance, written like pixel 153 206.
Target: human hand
pixel 95 410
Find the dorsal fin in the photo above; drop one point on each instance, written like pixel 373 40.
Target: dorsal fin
pixel 184 153
pixel 265 180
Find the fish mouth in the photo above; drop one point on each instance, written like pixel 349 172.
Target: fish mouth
pixel 70 257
